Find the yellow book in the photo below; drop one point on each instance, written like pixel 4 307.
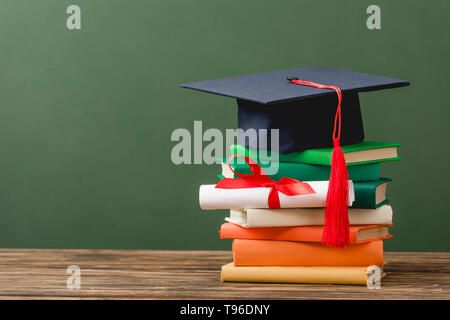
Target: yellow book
pixel 329 275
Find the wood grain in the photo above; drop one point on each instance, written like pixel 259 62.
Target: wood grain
pixel 139 274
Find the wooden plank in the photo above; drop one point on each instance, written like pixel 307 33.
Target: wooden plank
pixel 153 274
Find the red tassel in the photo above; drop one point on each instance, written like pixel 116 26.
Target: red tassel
pixel 336 231
pixel 336 227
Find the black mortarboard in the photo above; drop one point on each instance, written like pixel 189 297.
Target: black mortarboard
pixel 304 115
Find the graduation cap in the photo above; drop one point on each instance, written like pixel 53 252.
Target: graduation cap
pixel 312 108
pixel 304 115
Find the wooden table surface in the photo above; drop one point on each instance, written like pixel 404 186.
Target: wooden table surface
pixel 140 274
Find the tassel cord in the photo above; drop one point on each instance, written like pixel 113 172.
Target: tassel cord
pixel 336 224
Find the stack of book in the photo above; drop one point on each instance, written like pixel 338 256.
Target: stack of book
pixel 284 245
pixel 307 221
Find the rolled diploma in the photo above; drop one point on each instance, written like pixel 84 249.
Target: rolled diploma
pixel 212 198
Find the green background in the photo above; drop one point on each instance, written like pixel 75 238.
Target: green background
pixel 86 115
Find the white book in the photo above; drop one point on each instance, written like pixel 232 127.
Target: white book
pixel 211 198
pixel 251 218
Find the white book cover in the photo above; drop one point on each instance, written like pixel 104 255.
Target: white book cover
pixel 251 218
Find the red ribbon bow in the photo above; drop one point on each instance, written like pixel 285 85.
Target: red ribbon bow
pixel 258 179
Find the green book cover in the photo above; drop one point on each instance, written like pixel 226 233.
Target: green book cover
pixel 365 194
pixel 318 156
pixel 308 172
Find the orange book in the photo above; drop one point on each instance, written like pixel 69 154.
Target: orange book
pixel 289 253
pixel 358 234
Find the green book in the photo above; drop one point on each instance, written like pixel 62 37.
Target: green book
pixel 308 172
pixel 370 194
pixel 355 154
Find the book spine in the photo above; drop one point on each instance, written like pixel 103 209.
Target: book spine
pixel 365 172
pixel 287 253
pixel 365 195
pixel 331 275
pixel 313 156
pixel 307 172
pixel 300 234
pixel 314 217
pixel 302 172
